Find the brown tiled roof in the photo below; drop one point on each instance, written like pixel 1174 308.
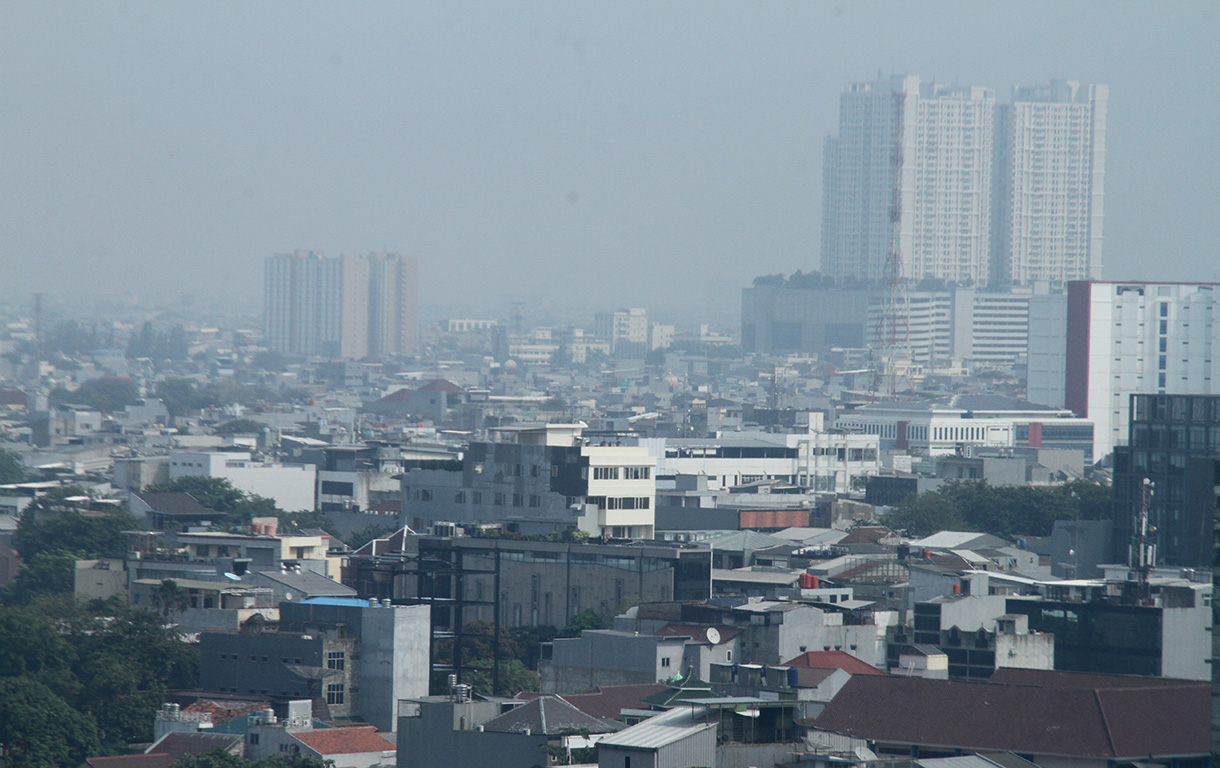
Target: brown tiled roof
pixel 608 701
pixel 179 745
pixel 1108 723
pixel 175 504
pixel 13 397
pixel 344 741
pixel 834 660
pixel 397 396
pixel 1049 678
pixel 440 385
pixel 866 534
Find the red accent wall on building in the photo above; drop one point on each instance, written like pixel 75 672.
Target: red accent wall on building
pixel 772 518
pixel 1076 369
pixel 900 437
pixel 1035 434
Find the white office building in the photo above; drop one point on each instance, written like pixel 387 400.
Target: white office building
pixel 1123 339
pixel 960 423
pixel 820 460
pixel 291 486
pixel 1049 184
pixel 963 324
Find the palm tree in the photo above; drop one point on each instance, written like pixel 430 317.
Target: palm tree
pixel 168 597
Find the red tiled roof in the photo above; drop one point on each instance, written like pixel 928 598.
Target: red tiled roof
pixel 834 660
pixel 345 741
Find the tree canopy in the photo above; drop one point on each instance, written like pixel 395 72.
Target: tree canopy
pixel 240 427
pixel 238 506
pixel 38 728
pixel 109 393
pixel 182 396
pixel 1004 511
pixel 12 468
pixel 218 758
pixel 103 675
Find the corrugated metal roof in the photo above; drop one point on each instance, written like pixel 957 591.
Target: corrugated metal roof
pixel 661 730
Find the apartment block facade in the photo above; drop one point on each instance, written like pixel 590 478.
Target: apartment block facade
pixel 340 307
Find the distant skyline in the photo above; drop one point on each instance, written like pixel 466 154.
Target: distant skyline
pixel 565 155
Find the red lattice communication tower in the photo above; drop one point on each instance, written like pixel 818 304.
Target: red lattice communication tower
pixel 892 341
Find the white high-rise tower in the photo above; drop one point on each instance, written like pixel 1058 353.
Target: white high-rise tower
pixel 1049 192
pixel 350 306
pixel 936 179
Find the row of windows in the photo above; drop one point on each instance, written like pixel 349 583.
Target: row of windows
pixel 621 502
pixel 627 473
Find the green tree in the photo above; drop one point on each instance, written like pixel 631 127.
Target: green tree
pixel 218 758
pixel 12 468
pixel 515 677
pixel 586 619
pixel 1005 511
pixel 240 427
pixel 219 494
pixel 169 597
pixel 109 393
pixel 39 729
pixel 50 572
pixel 50 524
pixel 529 642
pixel 179 395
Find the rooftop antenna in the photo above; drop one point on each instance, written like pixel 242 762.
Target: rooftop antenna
pixel 1142 553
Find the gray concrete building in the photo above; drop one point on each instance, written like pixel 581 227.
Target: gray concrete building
pixel 357 657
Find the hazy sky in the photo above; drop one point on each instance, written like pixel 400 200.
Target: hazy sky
pixel 566 154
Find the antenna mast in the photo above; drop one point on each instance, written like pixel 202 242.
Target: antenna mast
pixel 892 341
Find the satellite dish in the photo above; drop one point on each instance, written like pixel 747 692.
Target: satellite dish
pixel 232 577
pixel 713 635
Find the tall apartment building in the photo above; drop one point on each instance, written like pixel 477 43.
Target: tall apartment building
pixel 1122 339
pixel 625 329
pixel 938 181
pixel 984 194
pixel 1049 184
pixel 346 306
